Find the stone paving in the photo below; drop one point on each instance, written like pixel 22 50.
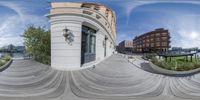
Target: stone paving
pixel 113 79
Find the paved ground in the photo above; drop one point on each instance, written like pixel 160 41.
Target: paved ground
pixel 113 79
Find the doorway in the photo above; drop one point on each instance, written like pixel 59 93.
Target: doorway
pixel 88 45
pixel 105 45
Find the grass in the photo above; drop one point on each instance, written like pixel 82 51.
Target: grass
pixel 4 60
pixel 177 63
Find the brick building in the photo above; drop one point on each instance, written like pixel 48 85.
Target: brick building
pixel 154 41
pixel 125 47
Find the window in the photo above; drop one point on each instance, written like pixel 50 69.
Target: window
pixel 152 44
pixel 157 43
pixel 157 39
pixel 164 33
pixel 164 38
pixel 147 44
pixel 164 43
pixel 86 6
pixel 107 13
pixel 157 34
pixel 96 8
pixel 92 44
pixel 98 17
pixel 88 45
pixel 87 12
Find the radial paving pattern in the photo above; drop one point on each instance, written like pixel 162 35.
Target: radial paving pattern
pixel 115 78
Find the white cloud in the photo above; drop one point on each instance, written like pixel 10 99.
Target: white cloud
pixel 184 30
pixel 13 25
pixel 129 6
pixel 187 39
pixel 124 36
pixel 181 28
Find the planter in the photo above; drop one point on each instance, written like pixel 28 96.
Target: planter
pixel 2 68
pixel 171 72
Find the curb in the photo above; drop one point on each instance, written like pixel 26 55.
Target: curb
pixel 5 66
pixel 171 72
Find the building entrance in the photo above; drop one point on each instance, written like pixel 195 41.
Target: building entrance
pixel 88 45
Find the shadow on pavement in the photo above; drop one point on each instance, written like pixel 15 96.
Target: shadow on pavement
pixel 148 68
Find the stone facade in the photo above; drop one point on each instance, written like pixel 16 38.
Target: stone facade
pixel 73 16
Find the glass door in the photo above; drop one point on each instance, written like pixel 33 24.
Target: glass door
pixel 88 45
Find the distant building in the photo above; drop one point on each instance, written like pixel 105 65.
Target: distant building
pixel 12 49
pixel 180 49
pixel 125 47
pixel 177 48
pixel 154 41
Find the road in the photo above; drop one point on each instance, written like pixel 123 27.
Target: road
pixel 113 79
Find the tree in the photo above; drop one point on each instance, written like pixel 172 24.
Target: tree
pixel 37 43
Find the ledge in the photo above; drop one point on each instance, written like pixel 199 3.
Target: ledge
pixel 93 18
pixel 5 66
pixel 171 72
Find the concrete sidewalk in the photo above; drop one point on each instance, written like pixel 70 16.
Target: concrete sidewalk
pixel 112 79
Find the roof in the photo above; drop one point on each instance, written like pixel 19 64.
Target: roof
pixel 156 30
pixel 95 3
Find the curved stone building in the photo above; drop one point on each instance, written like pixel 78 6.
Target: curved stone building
pixel 82 34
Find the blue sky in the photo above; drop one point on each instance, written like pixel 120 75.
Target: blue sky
pixel 134 17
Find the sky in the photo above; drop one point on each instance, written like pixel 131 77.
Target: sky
pixel 134 17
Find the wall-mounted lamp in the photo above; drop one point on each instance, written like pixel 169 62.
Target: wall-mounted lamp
pixel 69 37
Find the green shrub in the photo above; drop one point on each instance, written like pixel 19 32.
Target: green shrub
pixel 154 60
pixel 150 55
pixel 1 63
pixel 177 63
pixel 38 43
pixel 4 60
